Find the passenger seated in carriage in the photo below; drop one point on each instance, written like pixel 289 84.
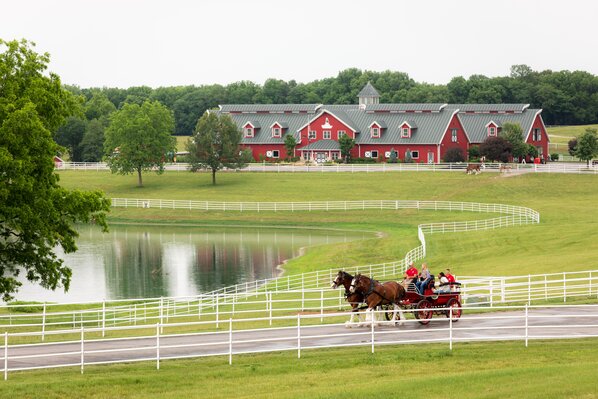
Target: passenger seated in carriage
pixel 424 279
pixel 443 285
pixel 410 276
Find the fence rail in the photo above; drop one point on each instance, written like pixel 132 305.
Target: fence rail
pixel 561 167
pixel 300 332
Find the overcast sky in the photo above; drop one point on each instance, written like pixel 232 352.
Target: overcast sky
pixel 123 43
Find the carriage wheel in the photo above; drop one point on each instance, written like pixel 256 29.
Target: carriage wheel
pixel 456 306
pixel 425 315
pixel 389 313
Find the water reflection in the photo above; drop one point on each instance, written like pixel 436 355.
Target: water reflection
pixel 153 261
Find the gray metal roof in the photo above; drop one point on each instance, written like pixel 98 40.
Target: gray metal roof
pixel 254 123
pixel 281 108
pixel 322 145
pixel 475 124
pixel 430 127
pixel 433 107
pixel 380 123
pixel 368 91
pixel 489 107
pixel 264 135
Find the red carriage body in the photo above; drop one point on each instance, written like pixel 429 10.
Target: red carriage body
pixel 433 302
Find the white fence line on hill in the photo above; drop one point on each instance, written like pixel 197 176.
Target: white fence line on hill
pixel 515 216
pixel 561 167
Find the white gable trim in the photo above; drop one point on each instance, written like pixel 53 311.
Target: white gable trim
pixel 531 126
pixel 456 112
pixel 276 123
pixel 325 111
pixel 248 123
pixel 405 123
pixel 492 123
pixel 375 123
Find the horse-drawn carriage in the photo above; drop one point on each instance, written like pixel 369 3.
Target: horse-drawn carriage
pixel 392 296
pixel 433 302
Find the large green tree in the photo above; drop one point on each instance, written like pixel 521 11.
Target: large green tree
pixel 216 145
pixel 138 138
pixel 513 133
pixel 36 214
pixel 70 136
pixel 346 144
pixel 587 146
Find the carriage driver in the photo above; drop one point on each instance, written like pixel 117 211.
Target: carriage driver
pixel 410 275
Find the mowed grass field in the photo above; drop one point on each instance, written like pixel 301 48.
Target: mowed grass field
pixel 565 240
pixel 560 136
pixel 544 370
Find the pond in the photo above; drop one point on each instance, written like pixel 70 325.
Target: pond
pixel 151 261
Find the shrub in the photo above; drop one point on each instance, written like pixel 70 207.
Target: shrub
pixel 454 154
pixel 474 152
pixel 554 157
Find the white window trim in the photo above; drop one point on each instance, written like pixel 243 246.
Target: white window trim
pixel 405 132
pixel 375 131
pixel 372 154
pixel 274 132
pixel 340 133
pixel 327 133
pixel 275 153
pixel 416 152
pixel 454 135
pixel 309 135
pixel 492 131
pixel 248 132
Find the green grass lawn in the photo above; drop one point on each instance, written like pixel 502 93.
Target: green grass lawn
pixel 181 143
pixel 560 136
pixel 563 241
pixel 544 370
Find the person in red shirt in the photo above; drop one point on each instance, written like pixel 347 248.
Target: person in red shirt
pixel 449 276
pixel 410 275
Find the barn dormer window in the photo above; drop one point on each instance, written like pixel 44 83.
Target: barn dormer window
pixel 405 132
pixel 248 131
pixel 375 132
pixel 492 129
pixel 276 132
pixel 376 129
pixel 407 128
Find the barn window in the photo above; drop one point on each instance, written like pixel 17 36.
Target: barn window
pixel 454 135
pixel 375 132
pixel 341 133
pixel 312 135
pixel 415 154
pixel 275 153
pixel 405 133
pixel 248 131
pixel 537 135
pixel 492 131
pixel 276 132
pixel 374 154
pixel 327 134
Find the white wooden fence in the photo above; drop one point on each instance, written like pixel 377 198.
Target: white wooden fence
pixel 299 332
pixel 555 167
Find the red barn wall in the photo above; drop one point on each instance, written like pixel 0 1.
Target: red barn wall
pixel 538 124
pixel 462 141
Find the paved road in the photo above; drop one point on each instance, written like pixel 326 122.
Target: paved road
pixel 553 322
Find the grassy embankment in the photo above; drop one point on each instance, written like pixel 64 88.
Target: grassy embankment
pixel 560 136
pixel 544 370
pixel 562 242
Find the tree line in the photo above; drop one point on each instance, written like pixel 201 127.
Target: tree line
pixel 567 98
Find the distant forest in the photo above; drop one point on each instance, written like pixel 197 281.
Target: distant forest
pixel 567 98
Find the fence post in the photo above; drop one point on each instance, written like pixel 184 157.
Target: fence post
pixel 44 320
pixel 590 287
pixel 302 298
pixel 161 311
pixel 230 341
pixel 82 349
pixel 526 323
pixel 270 306
pixel 217 310
pixel 491 293
pixel 373 317
pixel 545 288
pixel 298 335
pixel 103 318
pixel 564 287
pixel 451 328
pixel 529 288
pixel 321 306
pixel 5 355
pixel 158 346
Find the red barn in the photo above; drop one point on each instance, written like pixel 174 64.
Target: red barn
pixel 425 131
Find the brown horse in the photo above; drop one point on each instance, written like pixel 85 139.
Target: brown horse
pixel 378 294
pixel 473 168
pixel 355 299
